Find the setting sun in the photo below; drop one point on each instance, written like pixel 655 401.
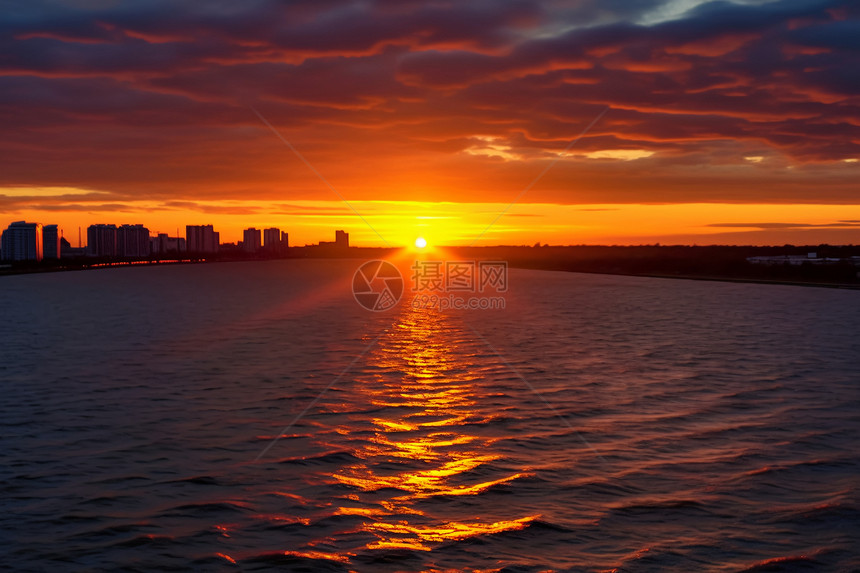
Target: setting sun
pixel 420 242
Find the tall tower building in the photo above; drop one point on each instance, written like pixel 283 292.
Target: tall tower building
pixel 101 240
pixel 51 242
pixel 272 239
pixel 202 239
pixel 22 241
pixel 132 241
pixel 251 242
pixel 341 239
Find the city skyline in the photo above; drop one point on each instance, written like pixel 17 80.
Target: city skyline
pixel 34 241
pixel 128 241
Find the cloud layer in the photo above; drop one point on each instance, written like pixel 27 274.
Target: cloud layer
pixel 437 100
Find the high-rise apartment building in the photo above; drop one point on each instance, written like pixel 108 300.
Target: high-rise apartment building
pixel 132 241
pixel 341 239
pixel 101 240
pixel 22 241
pixel 251 242
pixel 202 239
pixel 275 241
pixel 51 242
pixel 272 239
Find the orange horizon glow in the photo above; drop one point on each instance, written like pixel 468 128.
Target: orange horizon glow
pixel 402 223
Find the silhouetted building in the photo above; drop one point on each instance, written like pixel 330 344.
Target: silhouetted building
pixel 272 238
pixel 341 239
pixel 51 242
pixel 164 245
pixel 275 241
pixel 251 242
pixel 132 241
pixel 101 240
pixel 231 249
pixel 67 250
pixel 202 239
pixel 21 241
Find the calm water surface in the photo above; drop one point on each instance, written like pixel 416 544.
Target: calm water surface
pixel 596 423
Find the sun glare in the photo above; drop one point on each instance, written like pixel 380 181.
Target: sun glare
pixel 420 242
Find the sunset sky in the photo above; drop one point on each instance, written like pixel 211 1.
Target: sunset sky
pixel 726 122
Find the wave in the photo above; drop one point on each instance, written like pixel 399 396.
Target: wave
pixel 789 563
pixel 329 458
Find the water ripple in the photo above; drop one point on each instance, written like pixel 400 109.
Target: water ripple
pixel 673 425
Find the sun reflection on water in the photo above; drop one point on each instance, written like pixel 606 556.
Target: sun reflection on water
pixel 423 442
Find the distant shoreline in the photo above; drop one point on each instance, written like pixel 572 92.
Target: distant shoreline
pixel 720 264
pixel 844 286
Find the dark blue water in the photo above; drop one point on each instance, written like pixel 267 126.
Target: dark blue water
pixel 252 416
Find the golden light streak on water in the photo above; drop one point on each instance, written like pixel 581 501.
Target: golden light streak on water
pixel 434 395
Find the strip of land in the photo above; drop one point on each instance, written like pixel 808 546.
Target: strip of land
pixel 831 266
